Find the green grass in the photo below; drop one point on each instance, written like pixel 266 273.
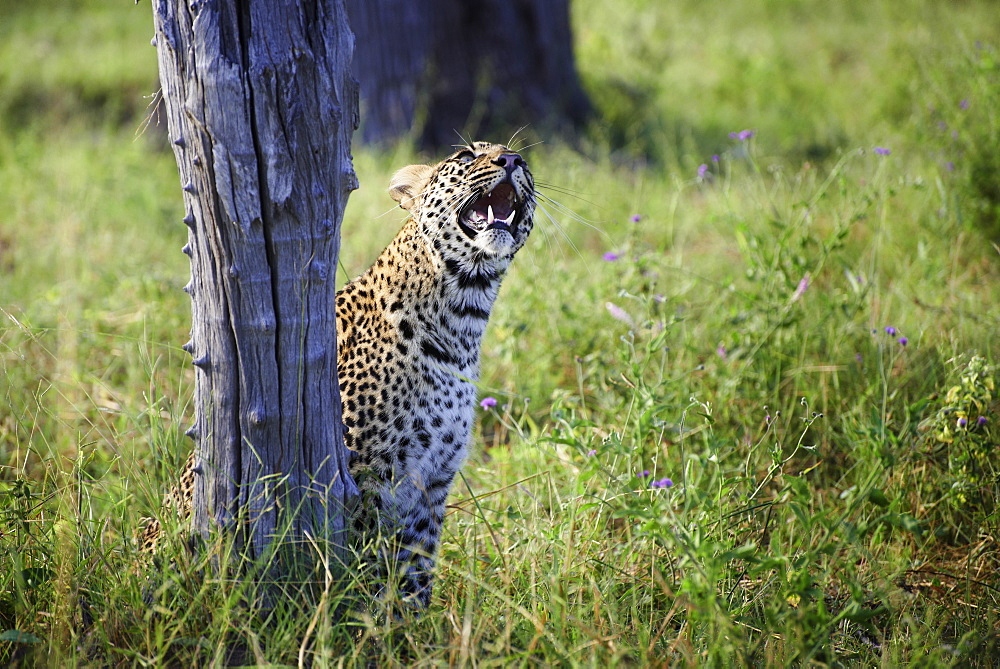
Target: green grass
pixel 826 505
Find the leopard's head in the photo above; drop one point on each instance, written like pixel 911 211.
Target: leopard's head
pixel 477 205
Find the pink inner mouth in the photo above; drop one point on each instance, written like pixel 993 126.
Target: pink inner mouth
pixel 500 202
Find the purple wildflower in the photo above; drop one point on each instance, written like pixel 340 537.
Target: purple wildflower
pixel 857 281
pixel 592 452
pixel 963 422
pixel 610 256
pixel 891 331
pixel 488 402
pixel 742 135
pixel 722 352
pixel 964 104
pixel 662 483
pixel 882 151
pixel 981 421
pixel 619 313
pixel 715 158
pixel 859 358
pixel 950 166
pixel 903 341
pixel 702 170
pixel 643 474
pixel 636 218
pixel 801 289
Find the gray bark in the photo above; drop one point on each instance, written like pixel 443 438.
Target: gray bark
pixel 441 67
pixel 261 106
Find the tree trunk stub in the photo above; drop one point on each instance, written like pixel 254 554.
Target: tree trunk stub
pixel 443 67
pixel 261 106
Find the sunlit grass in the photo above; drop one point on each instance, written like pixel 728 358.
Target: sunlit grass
pixel 723 328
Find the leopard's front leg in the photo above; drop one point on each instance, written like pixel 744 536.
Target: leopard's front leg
pixel 417 536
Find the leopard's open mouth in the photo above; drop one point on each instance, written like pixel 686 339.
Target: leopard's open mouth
pixel 496 210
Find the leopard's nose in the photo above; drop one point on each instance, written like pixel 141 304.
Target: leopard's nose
pixel 509 161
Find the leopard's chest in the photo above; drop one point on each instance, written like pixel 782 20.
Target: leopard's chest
pixel 429 428
pixel 408 394
pixel 410 330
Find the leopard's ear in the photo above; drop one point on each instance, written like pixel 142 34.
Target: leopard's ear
pixel 408 183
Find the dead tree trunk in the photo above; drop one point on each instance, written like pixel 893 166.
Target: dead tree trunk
pixel 467 66
pixel 261 106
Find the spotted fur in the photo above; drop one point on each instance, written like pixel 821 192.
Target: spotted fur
pixel 409 332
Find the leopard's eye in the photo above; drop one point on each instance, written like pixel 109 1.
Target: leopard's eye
pixel 465 156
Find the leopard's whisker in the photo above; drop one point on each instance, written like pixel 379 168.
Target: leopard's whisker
pixel 564 190
pixel 510 142
pixel 525 148
pixel 570 213
pixel 562 232
pixel 466 143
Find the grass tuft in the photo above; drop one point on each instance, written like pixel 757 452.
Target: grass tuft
pixel 744 371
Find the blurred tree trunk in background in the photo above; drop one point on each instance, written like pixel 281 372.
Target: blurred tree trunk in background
pixel 260 107
pixel 440 67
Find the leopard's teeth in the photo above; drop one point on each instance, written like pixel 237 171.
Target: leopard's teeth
pixel 489 215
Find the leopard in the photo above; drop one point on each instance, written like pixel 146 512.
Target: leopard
pixel 409 338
